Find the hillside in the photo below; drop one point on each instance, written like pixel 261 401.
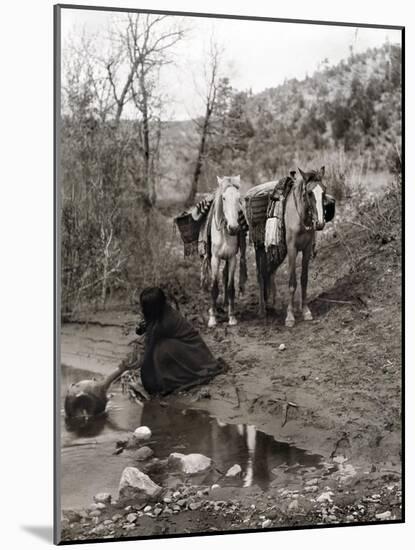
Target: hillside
pixel 349 113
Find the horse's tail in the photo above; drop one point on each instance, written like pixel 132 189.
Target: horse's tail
pixel 243 271
pixel 205 273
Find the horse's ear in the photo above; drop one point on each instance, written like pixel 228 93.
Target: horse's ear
pixel 219 180
pixel 322 170
pixel 237 180
pixel 304 176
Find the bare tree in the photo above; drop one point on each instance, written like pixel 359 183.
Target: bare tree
pixel 212 78
pixel 145 42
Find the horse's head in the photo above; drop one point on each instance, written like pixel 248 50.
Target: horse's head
pixel 229 194
pixel 315 190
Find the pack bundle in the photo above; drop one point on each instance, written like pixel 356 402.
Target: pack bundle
pixel 189 224
pixel 265 206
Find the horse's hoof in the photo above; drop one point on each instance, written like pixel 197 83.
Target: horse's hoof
pixel 212 322
pixel 307 315
pixel 232 321
pixel 289 323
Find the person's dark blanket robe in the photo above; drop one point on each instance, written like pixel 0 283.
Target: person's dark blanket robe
pixel 175 356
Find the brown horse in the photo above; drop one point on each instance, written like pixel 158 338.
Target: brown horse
pixel 304 214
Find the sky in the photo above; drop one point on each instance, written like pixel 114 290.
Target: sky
pixel 257 54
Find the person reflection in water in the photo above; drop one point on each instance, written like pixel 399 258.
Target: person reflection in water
pixel 175 356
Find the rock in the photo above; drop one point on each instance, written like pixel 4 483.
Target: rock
pixel 104 498
pixel 273 514
pixel 195 505
pixel 95 513
pixel 116 517
pixel 72 516
pixel 100 506
pixel 325 497
pixel 135 483
pixel 173 482
pixel 189 464
pixel 182 502
pixel 266 523
pixel 147 509
pixel 167 500
pixel 234 471
pixel 131 518
pixel 349 518
pixel 293 505
pixel 281 347
pixel 143 433
pixel 215 486
pixel 311 489
pixel 384 515
pixel 313 481
pixel 144 453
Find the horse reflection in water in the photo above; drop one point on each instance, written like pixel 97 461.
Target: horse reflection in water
pixel 194 431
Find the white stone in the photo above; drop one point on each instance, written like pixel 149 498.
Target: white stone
pixel 384 515
pixel 103 497
pixel 135 483
pixel 325 497
pixel 234 471
pixel 266 523
pixel 293 505
pixel 282 347
pixel 189 464
pixel 143 433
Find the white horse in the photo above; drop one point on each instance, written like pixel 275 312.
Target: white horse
pixel 224 229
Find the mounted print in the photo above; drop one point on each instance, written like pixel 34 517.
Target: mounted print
pixel 228 274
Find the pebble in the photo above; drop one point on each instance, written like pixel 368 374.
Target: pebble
pixel 349 518
pixel 116 517
pixel 384 515
pixel 311 489
pixel 103 497
pixel 142 433
pixel 293 505
pixel 95 513
pixel 195 505
pixel 215 486
pixel 147 509
pixel 234 471
pixel 131 518
pixel 144 453
pixel 182 502
pixel 266 523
